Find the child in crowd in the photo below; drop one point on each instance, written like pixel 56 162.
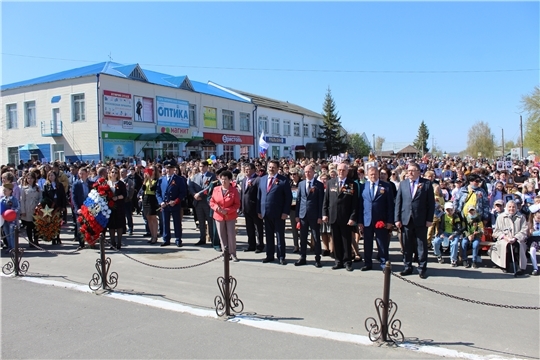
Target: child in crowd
pixel 533 242
pixel 473 233
pixel 449 234
pixel 9 202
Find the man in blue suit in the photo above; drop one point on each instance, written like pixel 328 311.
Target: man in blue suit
pixel 309 204
pixel 79 193
pixel 170 191
pixel 415 206
pixel 375 216
pixel 274 205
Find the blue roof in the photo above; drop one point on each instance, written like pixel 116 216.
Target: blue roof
pixel 124 71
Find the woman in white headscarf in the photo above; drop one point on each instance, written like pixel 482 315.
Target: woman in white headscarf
pixel 510 228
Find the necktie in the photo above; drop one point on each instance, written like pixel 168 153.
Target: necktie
pixel 341 182
pixel 269 184
pixel 372 190
pixel 308 186
pixel 412 187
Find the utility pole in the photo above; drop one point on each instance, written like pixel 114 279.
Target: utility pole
pixel 373 144
pixel 521 131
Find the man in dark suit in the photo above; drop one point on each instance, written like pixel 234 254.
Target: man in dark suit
pixel 375 216
pixel 79 193
pixel 249 187
pixel 274 200
pixel 340 210
pixel 309 204
pixel 170 191
pixel 415 206
pixel 199 187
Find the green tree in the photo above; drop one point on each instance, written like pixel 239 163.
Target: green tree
pixel 422 138
pixel 358 146
pixel 331 128
pixel 480 140
pixel 531 105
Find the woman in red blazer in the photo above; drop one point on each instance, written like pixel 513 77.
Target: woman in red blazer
pixel 225 202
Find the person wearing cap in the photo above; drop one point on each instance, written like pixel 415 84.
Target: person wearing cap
pixel 473 194
pixel 472 236
pixel 519 177
pixel 199 187
pixel 498 208
pixel 171 190
pixel 450 227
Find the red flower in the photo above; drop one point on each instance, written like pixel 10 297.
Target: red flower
pixel 111 203
pixel 379 225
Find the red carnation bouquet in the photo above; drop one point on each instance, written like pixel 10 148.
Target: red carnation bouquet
pixel 379 225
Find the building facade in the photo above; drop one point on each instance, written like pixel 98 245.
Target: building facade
pixel 110 110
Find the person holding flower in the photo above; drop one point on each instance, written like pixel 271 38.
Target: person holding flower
pixel 54 195
pixel 225 202
pixel 117 219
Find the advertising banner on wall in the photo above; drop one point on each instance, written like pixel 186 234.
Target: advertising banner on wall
pixel 118 148
pixel 172 112
pixel 229 139
pixel 143 109
pixel 210 117
pixel 117 105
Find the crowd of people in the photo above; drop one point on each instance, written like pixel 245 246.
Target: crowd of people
pixel 447 206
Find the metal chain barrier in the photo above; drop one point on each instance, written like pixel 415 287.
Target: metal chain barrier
pixel 166 267
pixel 465 299
pixel 49 251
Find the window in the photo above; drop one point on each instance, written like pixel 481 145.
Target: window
pixel 11 116
pixel 244 151
pixel 244 122
pixel 228 119
pixel 30 114
pixel 58 152
pixel 171 148
pixel 286 127
pixel 275 126
pixel 263 124
pixel 314 131
pixel 306 130
pixel 228 152
pixel 192 115
pixel 78 108
pixel 296 129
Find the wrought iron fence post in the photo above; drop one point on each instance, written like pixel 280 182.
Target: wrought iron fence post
pixel 389 329
pixel 100 279
pixel 16 265
pixel 227 284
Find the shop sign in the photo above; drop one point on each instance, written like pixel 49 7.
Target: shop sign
pixel 181 133
pixel 274 140
pixel 172 112
pixel 127 124
pixel 229 138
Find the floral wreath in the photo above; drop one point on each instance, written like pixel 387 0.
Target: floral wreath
pixel 48 221
pixel 96 210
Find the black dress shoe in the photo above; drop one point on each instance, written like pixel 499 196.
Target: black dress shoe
pixel 296 250
pixel 282 262
pixel 267 260
pixel 248 250
pixel 422 275
pixel 326 253
pixel 349 267
pixel 165 244
pixel 406 272
pixel 179 244
pixel 217 249
pixel 337 266
pixel 318 264
pixel 258 251
pixel 200 243
pixel 300 262
pixel 366 268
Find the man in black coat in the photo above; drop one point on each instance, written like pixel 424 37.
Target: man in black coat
pixel 249 186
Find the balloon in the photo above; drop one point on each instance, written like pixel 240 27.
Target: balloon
pixel 213 157
pixel 209 161
pixel 9 215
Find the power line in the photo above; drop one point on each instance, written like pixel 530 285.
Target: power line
pixel 296 70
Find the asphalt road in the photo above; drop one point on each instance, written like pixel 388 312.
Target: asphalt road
pixel 283 299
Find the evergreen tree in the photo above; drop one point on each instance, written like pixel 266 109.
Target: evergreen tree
pixel 422 138
pixel 331 128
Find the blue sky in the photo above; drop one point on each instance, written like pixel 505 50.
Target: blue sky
pixel 389 65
